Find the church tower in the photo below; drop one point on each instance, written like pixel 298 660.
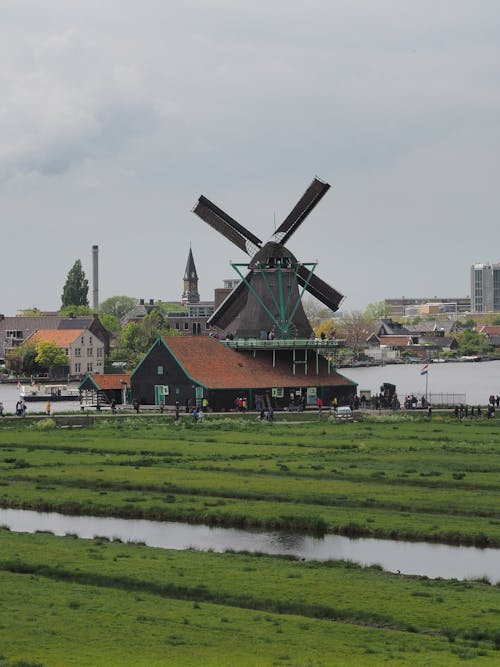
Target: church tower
pixel 190 294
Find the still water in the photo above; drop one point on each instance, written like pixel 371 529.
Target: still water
pixel 477 380
pixel 431 560
pixel 9 396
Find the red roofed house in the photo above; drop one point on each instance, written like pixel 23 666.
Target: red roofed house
pixel 193 368
pixel 84 350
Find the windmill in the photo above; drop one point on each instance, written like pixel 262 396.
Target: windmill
pixel 269 296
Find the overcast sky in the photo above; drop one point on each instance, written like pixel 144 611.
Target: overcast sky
pixel 116 116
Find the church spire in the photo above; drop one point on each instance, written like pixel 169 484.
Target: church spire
pixel 190 293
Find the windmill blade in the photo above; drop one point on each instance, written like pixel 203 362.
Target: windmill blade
pixel 230 308
pixel 301 210
pixel 319 289
pixel 227 226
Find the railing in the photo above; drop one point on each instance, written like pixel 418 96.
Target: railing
pixel 277 343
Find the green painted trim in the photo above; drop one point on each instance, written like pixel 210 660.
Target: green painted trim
pixel 91 379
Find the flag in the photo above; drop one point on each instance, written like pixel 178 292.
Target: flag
pixel 424 369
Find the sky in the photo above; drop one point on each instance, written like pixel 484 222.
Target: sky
pixel 116 116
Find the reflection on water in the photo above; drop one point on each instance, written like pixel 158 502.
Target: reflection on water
pixel 432 560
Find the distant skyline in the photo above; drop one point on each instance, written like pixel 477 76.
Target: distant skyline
pixel 116 116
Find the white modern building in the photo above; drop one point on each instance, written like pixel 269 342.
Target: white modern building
pixel 485 288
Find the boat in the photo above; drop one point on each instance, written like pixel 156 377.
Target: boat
pixel 48 392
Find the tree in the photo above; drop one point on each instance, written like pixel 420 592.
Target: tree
pixel 48 355
pixel 117 305
pixel 472 342
pixel 137 338
pixel 378 310
pixel 29 365
pixel 76 288
pixel 76 311
pixel 355 328
pixel 110 322
pixel 315 311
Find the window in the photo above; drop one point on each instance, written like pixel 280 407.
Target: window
pixel 78 368
pixel 177 325
pixel 78 351
pixel 100 352
pixel 90 351
pixel 186 325
pixel 277 392
pixel 13 334
pixel 159 370
pixel 82 339
pixel 90 340
pixel 89 367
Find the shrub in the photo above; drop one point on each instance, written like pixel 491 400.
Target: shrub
pixel 46 424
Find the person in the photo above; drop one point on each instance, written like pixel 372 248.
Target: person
pixel 23 408
pixel 429 410
pixel 113 405
pixel 177 409
pixel 48 408
pixel 270 414
pixel 2 414
pixel 201 415
pixel 204 404
pixel 195 414
pixel 136 405
pixel 162 407
pixel 319 403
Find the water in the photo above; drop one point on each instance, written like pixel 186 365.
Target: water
pixel 9 396
pixel 417 558
pixel 477 380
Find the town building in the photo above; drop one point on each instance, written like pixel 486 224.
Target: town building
pixel 85 351
pixel 415 307
pixel 485 288
pixel 191 319
pixel 14 331
pixel 190 293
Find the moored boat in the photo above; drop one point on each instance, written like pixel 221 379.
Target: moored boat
pixel 48 392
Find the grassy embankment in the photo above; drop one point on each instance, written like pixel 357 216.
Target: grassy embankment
pixel 423 480
pixel 66 601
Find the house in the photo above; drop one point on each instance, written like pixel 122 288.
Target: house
pixel 85 351
pixel 188 369
pixel 14 331
pixel 108 387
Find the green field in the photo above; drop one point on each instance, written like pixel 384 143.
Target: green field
pixel 65 601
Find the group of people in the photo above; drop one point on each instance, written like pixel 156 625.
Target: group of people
pixel 20 408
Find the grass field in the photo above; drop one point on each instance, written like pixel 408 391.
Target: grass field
pixel 65 601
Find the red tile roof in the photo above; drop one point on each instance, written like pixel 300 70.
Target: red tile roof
pixel 489 329
pixel 216 366
pixel 61 337
pixel 397 341
pixel 110 380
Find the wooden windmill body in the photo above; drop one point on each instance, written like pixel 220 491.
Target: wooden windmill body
pixel 268 300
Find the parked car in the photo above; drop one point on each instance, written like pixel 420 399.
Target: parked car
pixel 343 414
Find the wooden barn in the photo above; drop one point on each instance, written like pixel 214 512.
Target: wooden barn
pixel 190 369
pixel 101 389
